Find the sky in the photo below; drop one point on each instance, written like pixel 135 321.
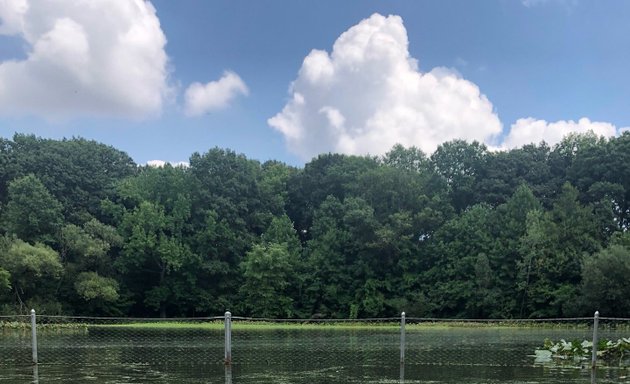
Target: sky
pixel 287 80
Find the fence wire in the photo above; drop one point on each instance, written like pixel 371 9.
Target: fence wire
pixel 15 340
pixel 317 343
pixel 64 340
pixel 508 343
pixel 292 344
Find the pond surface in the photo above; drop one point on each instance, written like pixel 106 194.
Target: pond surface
pixel 432 355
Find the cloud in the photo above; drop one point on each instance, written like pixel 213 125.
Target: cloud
pixel 162 163
pixel 85 58
pixel 215 95
pixel 12 14
pixel 461 62
pixel 529 130
pixel 368 94
pixel 533 3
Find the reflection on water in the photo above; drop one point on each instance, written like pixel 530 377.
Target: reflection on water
pixel 228 374
pixel 331 375
pixel 35 374
pixel 446 356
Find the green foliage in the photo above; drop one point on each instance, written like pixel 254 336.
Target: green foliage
pixel 460 164
pixel 611 353
pixel 460 244
pixel 281 231
pixel 605 282
pixel 91 286
pixel 32 272
pixel 273 186
pixel 621 238
pixel 409 159
pixel 32 213
pixel 503 173
pixel 268 271
pixel 553 250
pixel 154 224
pixel 27 263
pixel 89 246
pixel 79 173
pixel 531 232
pixel 153 245
pixel 509 226
pixel 326 175
pixel 5 280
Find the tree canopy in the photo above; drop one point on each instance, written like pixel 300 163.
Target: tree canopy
pixel 536 231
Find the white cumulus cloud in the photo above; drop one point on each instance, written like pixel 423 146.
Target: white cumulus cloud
pixel 530 130
pixel 84 58
pixel 368 94
pixel 12 15
pixel 215 95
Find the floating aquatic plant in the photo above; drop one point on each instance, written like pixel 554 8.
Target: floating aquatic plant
pixel 608 352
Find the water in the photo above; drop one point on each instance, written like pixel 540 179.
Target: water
pixel 440 356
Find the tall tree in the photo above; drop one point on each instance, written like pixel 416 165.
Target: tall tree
pixel 79 173
pixel 34 271
pixel 553 250
pixel 88 254
pixel 460 164
pixel 341 258
pixel 154 228
pixel 509 225
pixel 269 271
pixel 538 267
pixel 273 186
pixel 410 159
pixel 32 213
pixel 456 249
pixel 229 213
pixel 327 175
pixel 605 283
pixel 503 172
pixel 274 270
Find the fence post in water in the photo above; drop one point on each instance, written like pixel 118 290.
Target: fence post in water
pixel 402 338
pixel 595 339
pixel 228 338
pixel 34 336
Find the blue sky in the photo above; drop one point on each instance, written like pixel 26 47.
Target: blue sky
pixel 505 72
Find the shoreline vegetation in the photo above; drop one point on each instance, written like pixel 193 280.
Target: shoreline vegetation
pixel 563 352
pixel 535 232
pixel 176 324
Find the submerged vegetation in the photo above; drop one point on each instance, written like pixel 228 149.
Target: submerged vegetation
pixel 533 232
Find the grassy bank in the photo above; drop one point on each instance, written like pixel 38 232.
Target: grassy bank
pixel 295 325
pixel 254 325
pixel 333 325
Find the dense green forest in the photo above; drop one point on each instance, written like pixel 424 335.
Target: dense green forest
pixel 536 231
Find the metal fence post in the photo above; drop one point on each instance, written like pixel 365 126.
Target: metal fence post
pixel 34 336
pixel 402 338
pixel 595 339
pixel 228 338
pixel 228 374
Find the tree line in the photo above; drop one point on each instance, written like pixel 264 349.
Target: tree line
pixel 536 231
